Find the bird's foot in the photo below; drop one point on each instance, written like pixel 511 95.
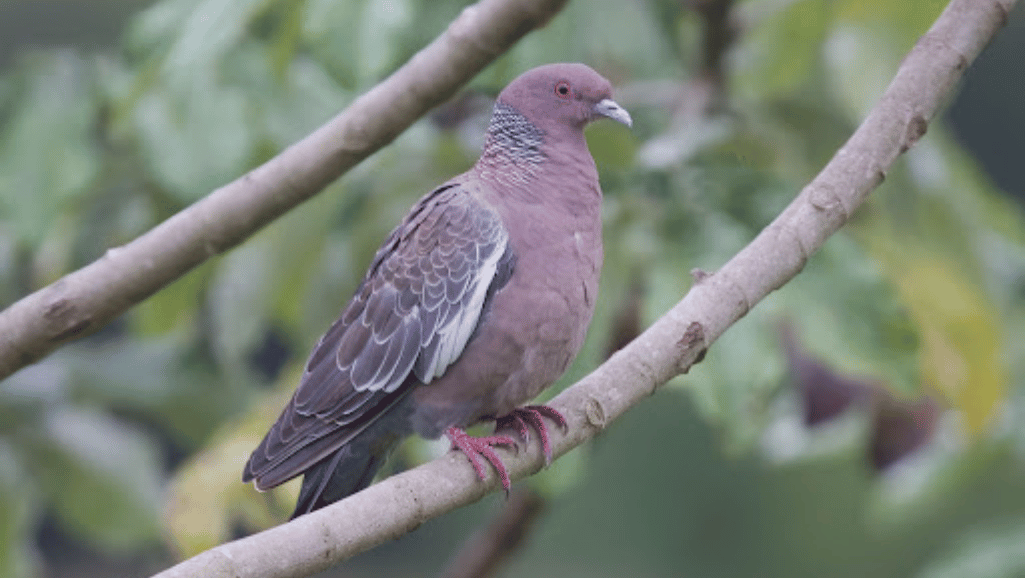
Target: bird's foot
pixel 533 414
pixel 483 447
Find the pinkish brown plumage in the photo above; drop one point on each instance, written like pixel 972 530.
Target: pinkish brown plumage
pixel 475 303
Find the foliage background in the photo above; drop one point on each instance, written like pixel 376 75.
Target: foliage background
pixel 121 452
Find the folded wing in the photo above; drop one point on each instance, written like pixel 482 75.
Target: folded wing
pixel 410 319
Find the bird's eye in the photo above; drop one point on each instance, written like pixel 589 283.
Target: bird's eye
pixel 562 89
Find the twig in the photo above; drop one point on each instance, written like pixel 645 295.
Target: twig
pixel 481 555
pixel 717 39
pixel 402 502
pixel 87 299
pixel 627 323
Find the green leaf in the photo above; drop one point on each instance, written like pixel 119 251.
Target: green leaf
pixel 206 496
pixel 993 550
pixel 781 52
pixel 19 504
pixel 196 138
pixel 102 477
pixel 206 33
pixel 174 306
pixel 240 296
pixel 47 157
pixel 849 314
pixel 163 381
pixel 382 22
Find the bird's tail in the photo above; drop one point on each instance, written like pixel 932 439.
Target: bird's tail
pixel 350 469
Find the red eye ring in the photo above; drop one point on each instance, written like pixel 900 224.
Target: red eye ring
pixel 562 89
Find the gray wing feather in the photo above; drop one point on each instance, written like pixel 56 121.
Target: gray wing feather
pixel 410 319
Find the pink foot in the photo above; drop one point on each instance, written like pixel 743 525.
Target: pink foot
pixel 533 414
pixel 475 448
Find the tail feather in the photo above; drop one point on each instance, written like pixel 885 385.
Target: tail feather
pixel 347 471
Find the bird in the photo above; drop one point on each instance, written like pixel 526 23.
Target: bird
pixel 476 302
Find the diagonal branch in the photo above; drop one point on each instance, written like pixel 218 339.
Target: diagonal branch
pixel 401 503
pixel 87 299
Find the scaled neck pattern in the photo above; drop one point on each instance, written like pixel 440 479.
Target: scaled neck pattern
pixel 512 148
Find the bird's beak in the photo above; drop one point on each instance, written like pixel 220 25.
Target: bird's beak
pixel 611 109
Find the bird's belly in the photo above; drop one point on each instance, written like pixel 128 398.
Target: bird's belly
pixel 533 329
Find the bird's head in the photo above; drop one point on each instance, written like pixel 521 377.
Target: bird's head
pixel 563 95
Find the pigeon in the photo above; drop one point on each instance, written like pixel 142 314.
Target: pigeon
pixel 475 303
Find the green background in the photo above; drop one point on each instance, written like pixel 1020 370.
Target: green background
pixel 122 452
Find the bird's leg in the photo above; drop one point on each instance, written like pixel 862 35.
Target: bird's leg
pixel 474 448
pixel 533 414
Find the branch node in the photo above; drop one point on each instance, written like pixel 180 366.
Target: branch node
pixel 786 230
pixel 595 413
pixel 825 199
pixel 699 275
pixel 63 319
pixel 1003 13
pixel 915 130
pixel 693 339
pixel 877 176
pixel 734 292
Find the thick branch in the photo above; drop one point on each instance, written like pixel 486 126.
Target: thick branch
pixel 401 503
pixel 85 300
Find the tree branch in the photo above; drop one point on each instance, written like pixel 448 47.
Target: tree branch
pixel 87 299
pixel 402 502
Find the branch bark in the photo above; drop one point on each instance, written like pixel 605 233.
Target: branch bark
pixel 87 299
pixel 402 502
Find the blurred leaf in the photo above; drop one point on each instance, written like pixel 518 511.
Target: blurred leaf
pixel 795 30
pixel 206 497
pixel 612 147
pixel 381 22
pixel 994 550
pixel 174 306
pixel 102 477
pixel 47 158
pixel 961 349
pixel 909 19
pixel 18 505
pixel 307 98
pixel 35 387
pixel 205 33
pixel 154 27
pixel 594 32
pixel 239 298
pixel 861 61
pixel 160 381
pixel 197 137
pixel 847 312
pixel 329 28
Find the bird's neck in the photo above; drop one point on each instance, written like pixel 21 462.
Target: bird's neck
pixel 513 147
pixel 532 165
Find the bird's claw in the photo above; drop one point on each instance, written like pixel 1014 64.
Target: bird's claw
pixel 482 447
pixel 519 418
pixel 475 448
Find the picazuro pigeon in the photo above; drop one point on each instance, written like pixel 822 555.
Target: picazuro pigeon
pixel 475 303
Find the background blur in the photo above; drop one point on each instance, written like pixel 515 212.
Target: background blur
pixel 864 420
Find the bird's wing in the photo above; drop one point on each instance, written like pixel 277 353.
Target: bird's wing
pixel 410 319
